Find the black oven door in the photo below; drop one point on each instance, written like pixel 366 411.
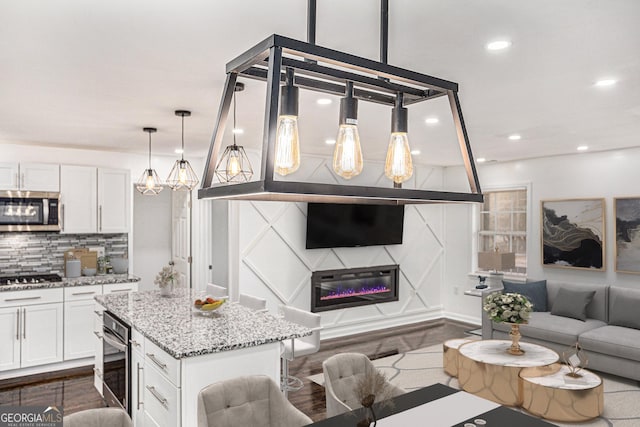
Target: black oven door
pixel 116 367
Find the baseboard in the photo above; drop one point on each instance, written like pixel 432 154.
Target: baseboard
pixel 34 370
pixel 462 318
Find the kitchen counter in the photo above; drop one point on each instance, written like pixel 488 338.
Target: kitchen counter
pixel 171 323
pixel 76 281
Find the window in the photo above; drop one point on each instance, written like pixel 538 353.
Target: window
pixel 503 224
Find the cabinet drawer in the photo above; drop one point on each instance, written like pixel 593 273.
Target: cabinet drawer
pixel 119 287
pixel 137 341
pixel 159 359
pixel 161 398
pixel 76 293
pixel 30 297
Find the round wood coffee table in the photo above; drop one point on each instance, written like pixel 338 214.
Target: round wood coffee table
pixel 450 355
pixel 487 370
pixel 549 393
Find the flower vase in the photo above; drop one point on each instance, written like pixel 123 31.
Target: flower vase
pixel 515 340
pixel 166 290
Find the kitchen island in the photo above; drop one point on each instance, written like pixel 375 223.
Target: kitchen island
pixel 176 351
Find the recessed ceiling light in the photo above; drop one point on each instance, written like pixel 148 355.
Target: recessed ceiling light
pixel 515 137
pixel 498 45
pixel 324 101
pixel 481 160
pixel 178 151
pixel 582 148
pixel 432 120
pixel 605 82
pixel 330 141
pixel 415 152
pixel 238 131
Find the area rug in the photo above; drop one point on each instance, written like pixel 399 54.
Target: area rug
pixel 423 367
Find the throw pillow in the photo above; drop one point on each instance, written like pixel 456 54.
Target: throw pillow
pixel 623 307
pixel 572 303
pixel 536 292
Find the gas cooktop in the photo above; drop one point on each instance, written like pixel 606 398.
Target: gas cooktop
pixel 29 278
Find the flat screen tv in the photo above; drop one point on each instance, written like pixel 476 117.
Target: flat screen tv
pixel 342 225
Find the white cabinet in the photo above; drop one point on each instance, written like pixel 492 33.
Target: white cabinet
pixel 94 200
pixel 97 342
pixel 30 176
pixel 137 379
pixel 112 288
pixel 79 326
pixel 31 328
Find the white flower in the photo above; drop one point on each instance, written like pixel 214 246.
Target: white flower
pixel 510 307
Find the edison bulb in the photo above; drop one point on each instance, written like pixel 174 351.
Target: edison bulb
pixel 182 175
pixel 287 146
pixel 234 164
pixel 398 166
pixel 150 183
pixel 347 155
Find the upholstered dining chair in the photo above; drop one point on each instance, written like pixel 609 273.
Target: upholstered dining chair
pixel 298 347
pixel 98 417
pixel 341 374
pixel 217 291
pixel 254 303
pixel 254 401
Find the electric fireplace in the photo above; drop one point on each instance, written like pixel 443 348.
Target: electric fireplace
pixel 352 287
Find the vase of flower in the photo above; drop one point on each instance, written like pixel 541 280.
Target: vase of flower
pixel 510 308
pixel 165 280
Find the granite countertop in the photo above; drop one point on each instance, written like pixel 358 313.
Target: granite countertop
pixel 76 281
pixel 172 324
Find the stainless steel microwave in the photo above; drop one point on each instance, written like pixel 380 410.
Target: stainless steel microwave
pixel 29 211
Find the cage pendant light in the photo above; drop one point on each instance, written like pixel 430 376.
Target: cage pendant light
pixel 234 165
pixel 149 183
pixel 182 177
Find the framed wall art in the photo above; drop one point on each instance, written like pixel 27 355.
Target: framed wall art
pixel 627 213
pixel 573 233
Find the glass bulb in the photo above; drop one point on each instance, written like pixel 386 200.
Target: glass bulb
pixel 347 155
pixel 234 164
pixel 287 146
pixel 182 175
pixel 150 184
pixel 398 166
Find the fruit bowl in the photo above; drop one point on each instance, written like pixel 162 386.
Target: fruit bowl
pixel 207 305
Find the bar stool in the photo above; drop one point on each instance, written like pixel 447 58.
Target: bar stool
pixel 254 303
pixel 298 347
pixel 217 291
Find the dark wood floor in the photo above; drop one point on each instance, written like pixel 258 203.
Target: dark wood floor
pixel 73 389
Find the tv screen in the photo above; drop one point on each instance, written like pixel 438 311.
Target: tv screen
pixel 342 225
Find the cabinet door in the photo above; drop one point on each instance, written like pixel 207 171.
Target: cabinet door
pixel 78 199
pixel 39 177
pixel 78 329
pixel 42 334
pixel 137 388
pixel 10 338
pixel 114 193
pixel 112 288
pixel 8 176
pixel 97 340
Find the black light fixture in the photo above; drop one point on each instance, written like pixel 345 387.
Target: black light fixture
pixel 234 165
pixel 182 177
pixel 347 154
pixel 149 183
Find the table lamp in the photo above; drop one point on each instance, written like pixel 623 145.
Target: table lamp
pixel 496 262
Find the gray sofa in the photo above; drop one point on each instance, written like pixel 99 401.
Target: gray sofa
pixel 610 334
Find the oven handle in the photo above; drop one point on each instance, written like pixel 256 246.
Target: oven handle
pixel 113 341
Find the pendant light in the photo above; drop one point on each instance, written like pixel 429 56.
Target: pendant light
pixel 182 177
pixel 149 184
pixel 287 149
pixel 234 165
pixel 399 166
pixel 347 155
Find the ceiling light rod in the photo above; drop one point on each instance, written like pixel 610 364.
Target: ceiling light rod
pixel 150 131
pixel 183 114
pixel 311 21
pixel 384 31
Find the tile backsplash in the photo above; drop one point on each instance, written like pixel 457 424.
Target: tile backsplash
pixel 30 252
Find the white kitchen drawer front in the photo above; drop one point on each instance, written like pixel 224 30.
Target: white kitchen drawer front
pixel 77 293
pixel 161 398
pixel 119 287
pixel 31 297
pixel 162 361
pixel 137 341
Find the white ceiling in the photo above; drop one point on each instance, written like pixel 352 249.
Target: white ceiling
pixel 93 73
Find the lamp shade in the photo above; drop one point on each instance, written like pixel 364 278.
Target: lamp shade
pixel 498 261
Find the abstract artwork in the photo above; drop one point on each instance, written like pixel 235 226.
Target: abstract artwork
pixel 573 233
pixel 627 212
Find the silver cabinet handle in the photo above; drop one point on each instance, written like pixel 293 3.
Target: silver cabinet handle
pixel 22 299
pixel 158 396
pixel 138 391
pixel 62 215
pixel 96 333
pixel 98 313
pixel 134 343
pixel 119 290
pixel 84 293
pixel 24 323
pixel 100 218
pixel 161 365
pixel 18 326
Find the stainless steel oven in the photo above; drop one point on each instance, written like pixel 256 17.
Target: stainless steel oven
pixel 29 211
pixel 115 348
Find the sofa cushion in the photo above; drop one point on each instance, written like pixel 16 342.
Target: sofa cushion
pixel 572 303
pixel 536 292
pixel 599 306
pixel 623 307
pixel 547 327
pixel 613 341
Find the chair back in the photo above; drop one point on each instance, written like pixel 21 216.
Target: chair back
pixel 341 374
pixel 217 291
pixel 98 417
pixel 254 303
pixel 306 319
